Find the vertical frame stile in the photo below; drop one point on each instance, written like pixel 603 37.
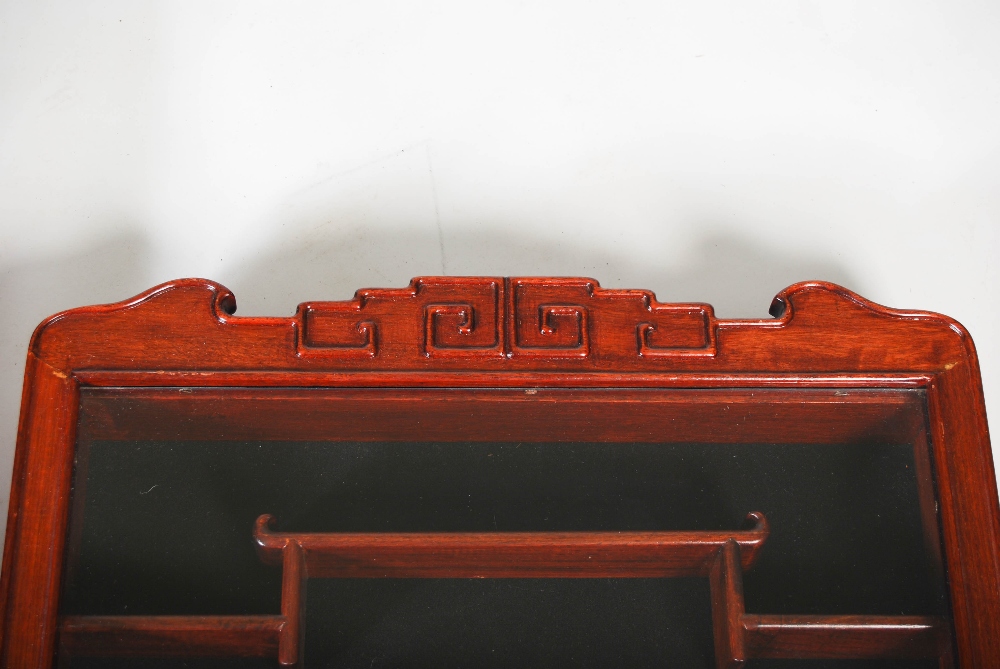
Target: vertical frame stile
pixel 969 518
pixel 924 471
pixel 293 604
pixel 928 487
pixel 46 440
pixel 14 505
pixel 726 586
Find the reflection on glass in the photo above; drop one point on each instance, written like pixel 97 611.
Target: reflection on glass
pixel 164 527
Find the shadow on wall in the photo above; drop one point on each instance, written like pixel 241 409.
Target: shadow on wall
pixel 737 276
pixel 106 271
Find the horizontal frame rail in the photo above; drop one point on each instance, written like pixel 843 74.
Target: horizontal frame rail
pixel 805 637
pixel 509 554
pixel 170 636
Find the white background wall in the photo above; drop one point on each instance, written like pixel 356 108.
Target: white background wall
pixel 709 151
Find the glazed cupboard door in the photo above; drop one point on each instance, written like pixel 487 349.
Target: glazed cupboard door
pixel 501 472
pixel 500 528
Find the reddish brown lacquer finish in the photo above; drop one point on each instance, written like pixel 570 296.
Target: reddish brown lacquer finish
pixel 525 336
pixel 171 636
pixel 508 554
pixel 739 636
pixel 487 555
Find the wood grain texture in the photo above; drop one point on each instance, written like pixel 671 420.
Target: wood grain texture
pixel 845 637
pixel 170 636
pixel 507 554
pixel 34 549
pixel 740 636
pixel 651 415
pixel 490 555
pixel 823 328
pixel 529 334
pixel 957 416
pixel 726 586
pixel 291 640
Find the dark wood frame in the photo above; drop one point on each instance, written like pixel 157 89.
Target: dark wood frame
pixel 542 333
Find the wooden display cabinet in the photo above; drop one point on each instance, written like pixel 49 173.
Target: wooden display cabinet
pixel 501 472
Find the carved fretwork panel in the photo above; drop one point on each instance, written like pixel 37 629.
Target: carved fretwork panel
pixel 470 326
pixel 676 329
pixel 437 317
pixel 445 318
pixel 577 318
pixel 338 329
pixel 493 324
pixel 551 319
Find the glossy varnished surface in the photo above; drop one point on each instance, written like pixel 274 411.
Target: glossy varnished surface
pixel 507 554
pixel 167 636
pixel 740 637
pixel 533 334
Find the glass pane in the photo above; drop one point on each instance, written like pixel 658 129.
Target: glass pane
pixel 169 485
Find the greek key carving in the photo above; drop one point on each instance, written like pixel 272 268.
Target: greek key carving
pixel 337 331
pixel 462 330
